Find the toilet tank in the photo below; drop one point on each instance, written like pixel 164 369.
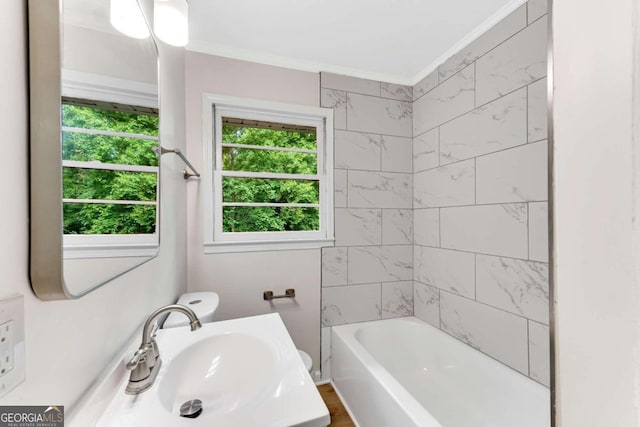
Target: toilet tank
pixel 204 304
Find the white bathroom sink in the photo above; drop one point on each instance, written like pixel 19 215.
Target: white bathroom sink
pixel 246 372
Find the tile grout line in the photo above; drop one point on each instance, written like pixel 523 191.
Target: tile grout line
pixel 480 253
pixel 482 105
pixel 374 133
pixel 523 145
pixel 520 316
pixel 475 205
pixel 351 285
pixel 502 362
pixel 526 25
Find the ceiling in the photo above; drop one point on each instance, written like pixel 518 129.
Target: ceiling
pixel 397 41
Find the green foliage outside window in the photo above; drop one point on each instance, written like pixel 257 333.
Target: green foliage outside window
pixel 85 218
pixel 247 219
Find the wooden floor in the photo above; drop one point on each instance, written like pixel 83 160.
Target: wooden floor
pixel 339 415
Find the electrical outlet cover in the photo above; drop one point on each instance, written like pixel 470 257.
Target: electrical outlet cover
pixel 12 309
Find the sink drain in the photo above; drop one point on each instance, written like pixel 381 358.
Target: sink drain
pixel 191 408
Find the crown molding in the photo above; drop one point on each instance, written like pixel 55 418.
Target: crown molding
pixel 488 23
pixel 291 63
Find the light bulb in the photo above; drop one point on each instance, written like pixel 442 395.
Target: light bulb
pixel 127 18
pixel 171 21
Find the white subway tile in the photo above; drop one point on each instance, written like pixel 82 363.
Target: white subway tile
pixel 498 125
pixel 394 91
pixel 451 185
pixel 536 8
pixel 397 226
pixel 537 108
pixel 340 186
pixel 504 29
pixel 517 62
pixel 357 150
pixel 334 266
pixel 426 303
pixel 539 355
pixel 538 232
pixel 488 229
pixel 397 154
pixel 350 304
pixel 355 227
pixel 517 286
pixel 426 151
pixel 426 227
pixel 378 115
pixel 369 264
pixel 447 101
pixel 515 175
pixel 397 299
pixel 379 189
pixel 494 332
pixel 445 269
pixel 425 85
pixel 338 101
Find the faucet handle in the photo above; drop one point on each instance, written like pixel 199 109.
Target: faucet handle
pixel 139 356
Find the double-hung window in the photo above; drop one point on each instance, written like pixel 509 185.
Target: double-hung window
pixel 110 176
pixel 270 183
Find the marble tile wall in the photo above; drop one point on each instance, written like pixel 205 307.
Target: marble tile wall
pixel 480 263
pixel 368 275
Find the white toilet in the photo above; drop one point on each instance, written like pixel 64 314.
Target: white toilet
pixel 205 305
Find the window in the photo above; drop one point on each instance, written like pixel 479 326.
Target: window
pixel 110 176
pixel 270 186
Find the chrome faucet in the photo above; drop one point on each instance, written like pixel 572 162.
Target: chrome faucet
pixel 146 362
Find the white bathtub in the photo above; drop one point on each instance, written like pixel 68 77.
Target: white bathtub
pixel 404 372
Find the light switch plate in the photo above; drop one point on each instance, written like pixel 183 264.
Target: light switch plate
pixel 12 351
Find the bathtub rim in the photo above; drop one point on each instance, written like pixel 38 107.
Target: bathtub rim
pixel 400 395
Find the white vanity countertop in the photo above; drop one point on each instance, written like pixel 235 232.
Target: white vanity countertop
pixel 247 372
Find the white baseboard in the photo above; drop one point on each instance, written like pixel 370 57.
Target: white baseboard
pixel 323 381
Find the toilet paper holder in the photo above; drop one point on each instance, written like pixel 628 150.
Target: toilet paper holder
pixel 288 293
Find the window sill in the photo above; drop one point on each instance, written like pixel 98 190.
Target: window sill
pixel 262 246
pixel 110 251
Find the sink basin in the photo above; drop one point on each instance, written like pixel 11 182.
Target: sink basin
pixel 226 372
pixel 246 372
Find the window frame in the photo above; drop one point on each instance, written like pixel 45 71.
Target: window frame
pixel 214 107
pixel 78 84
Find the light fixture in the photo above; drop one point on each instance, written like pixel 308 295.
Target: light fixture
pixel 126 17
pixel 171 21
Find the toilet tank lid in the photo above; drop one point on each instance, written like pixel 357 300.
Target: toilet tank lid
pixel 203 304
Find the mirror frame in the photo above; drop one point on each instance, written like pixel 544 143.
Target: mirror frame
pixel 46 245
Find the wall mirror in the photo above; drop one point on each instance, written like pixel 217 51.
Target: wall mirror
pixel 94 126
